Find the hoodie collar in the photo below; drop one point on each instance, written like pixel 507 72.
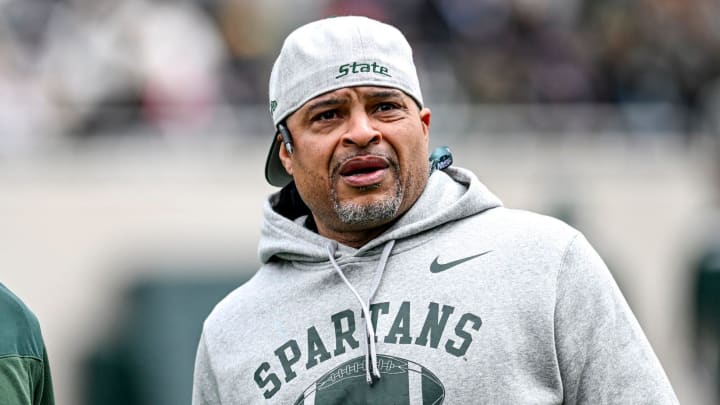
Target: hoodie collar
pixel 450 195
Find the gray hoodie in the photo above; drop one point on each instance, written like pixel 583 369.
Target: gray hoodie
pixel 468 302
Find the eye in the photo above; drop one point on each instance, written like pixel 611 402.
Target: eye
pixel 325 115
pixel 386 107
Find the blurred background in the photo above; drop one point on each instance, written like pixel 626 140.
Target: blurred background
pixel 133 135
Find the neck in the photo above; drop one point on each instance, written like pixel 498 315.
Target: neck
pixel 353 238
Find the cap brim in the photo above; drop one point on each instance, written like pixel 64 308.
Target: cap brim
pixel 275 173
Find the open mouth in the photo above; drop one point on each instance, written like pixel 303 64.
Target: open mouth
pixel 363 165
pixel 363 171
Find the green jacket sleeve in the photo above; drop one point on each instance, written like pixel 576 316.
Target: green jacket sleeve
pixel 25 381
pixel 24 368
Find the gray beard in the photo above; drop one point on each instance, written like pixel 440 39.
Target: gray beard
pixel 377 212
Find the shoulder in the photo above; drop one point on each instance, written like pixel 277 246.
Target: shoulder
pixel 552 243
pixel 21 334
pixel 521 226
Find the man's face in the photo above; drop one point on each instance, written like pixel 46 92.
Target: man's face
pixel 360 158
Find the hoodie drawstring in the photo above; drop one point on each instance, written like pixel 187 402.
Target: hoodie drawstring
pixel 371 371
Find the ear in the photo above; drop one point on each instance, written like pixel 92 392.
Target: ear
pixel 425 115
pixel 285 157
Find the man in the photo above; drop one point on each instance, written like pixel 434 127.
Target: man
pixel 24 369
pixel 387 282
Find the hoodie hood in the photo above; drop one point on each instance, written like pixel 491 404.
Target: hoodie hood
pixel 452 194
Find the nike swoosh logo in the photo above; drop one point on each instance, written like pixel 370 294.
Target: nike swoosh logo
pixel 436 267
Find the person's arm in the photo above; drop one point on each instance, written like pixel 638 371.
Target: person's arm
pixel 44 394
pixel 603 354
pixel 21 380
pixel 205 389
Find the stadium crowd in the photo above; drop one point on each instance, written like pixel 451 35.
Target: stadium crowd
pixel 72 69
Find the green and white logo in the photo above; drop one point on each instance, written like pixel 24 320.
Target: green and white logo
pixel 402 382
pixel 357 67
pixel 443 329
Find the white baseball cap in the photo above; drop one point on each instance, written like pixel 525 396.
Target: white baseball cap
pixel 330 54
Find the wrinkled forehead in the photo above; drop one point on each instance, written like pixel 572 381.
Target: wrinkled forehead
pixel 361 93
pixel 348 95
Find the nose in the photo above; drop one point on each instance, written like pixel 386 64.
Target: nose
pixel 361 132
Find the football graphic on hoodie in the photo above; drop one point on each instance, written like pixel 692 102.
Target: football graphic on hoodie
pixel 402 382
